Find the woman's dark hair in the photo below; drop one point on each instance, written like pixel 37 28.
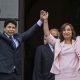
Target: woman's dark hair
pixel 63 27
pixel 10 21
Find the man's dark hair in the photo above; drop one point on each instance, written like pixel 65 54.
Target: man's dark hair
pixel 10 21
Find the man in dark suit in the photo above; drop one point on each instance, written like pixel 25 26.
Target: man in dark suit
pixel 10 42
pixel 43 60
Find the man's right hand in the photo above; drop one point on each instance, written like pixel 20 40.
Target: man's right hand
pixel 44 15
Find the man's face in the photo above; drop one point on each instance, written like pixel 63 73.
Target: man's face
pixel 54 32
pixel 10 29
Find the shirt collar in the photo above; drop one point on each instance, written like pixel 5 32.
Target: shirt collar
pixel 7 35
pixel 51 47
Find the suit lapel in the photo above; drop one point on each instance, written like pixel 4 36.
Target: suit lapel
pixel 17 37
pixel 51 54
pixel 9 41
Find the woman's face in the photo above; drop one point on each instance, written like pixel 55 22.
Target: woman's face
pixel 67 32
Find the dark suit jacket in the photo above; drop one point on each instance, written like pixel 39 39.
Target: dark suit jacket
pixel 43 63
pixel 10 57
